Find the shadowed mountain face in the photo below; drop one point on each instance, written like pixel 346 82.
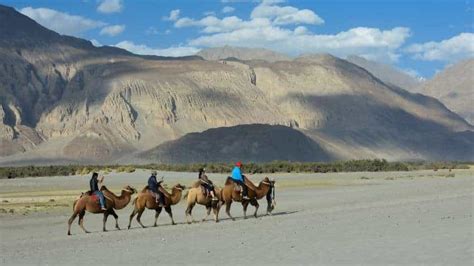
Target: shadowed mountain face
pixel 256 142
pixel 64 100
pixel 454 87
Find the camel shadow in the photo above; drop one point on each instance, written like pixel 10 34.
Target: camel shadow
pixel 210 220
pixel 252 217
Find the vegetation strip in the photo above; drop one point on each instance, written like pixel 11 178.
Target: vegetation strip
pixel 375 165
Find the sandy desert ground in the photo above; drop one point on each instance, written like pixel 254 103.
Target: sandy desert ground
pixel 399 218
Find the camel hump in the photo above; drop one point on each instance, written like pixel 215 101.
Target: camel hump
pixel 229 181
pixel 104 188
pixel 196 184
pixel 145 189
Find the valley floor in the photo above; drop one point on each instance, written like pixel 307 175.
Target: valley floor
pixel 421 217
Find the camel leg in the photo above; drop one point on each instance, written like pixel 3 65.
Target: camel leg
pixel 168 210
pixel 114 214
pixel 106 215
pixel 81 221
pixel 70 221
pixel 157 213
pixel 208 211
pixel 254 203
pixel 269 207
pixel 227 209
pixel 134 212
pixel 140 212
pixel 188 213
pixel 245 204
pixel 216 213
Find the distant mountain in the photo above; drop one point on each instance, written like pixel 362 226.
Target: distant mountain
pixel 64 100
pixel 256 142
pixel 242 53
pixel 386 73
pixel 454 87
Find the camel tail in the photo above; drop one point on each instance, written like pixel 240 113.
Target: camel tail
pixel 185 194
pixel 134 201
pixel 74 205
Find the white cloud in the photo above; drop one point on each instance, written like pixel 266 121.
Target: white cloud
pixel 110 6
pixel 112 30
pixel 372 43
pixel 283 15
pixel 413 73
pixel 212 24
pixel 173 16
pixel 145 50
pixel 96 43
pixel 209 13
pixel 450 50
pixel 276 27
pixel 228 9
pixel 155 31
pixel 63 23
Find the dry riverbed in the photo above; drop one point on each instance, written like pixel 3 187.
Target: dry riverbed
pixel 421 217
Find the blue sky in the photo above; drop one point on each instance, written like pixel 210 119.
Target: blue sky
pixel 420 37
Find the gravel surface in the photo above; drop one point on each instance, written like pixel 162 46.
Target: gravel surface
pixel 356 219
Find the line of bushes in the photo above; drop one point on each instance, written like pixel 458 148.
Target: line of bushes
pixel 375 165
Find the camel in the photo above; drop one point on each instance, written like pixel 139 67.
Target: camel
pixel 90 203
pixel 264 188
pixel 144 200
pixel 195 196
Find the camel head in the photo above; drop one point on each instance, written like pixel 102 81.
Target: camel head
pixel 129 189
pixel 269 181
pixel 179 187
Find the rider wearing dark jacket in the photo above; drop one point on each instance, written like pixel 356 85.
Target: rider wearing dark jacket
pixel 153 186
pixel 206 183
pixel 94 186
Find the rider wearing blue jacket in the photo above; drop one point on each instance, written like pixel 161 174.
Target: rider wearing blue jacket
pixel 238 178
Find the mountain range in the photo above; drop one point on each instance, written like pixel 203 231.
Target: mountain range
pixel 64 100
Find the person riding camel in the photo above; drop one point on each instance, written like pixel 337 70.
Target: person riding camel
pixel 95 184
pixel 206 183
pixel 238 178
pixel 154 187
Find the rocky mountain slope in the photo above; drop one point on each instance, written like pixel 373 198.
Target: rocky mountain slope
pixel 386 73
pixel 454 87
pixel 64 100
pixel 255 142
pixel 242 53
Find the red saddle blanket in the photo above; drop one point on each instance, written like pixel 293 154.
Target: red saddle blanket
pixel 94 197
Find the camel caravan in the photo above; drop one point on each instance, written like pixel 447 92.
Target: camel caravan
pixel 237 188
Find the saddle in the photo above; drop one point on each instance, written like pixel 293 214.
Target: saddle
pixel 93 197
pixel 205 192
pixel 237 186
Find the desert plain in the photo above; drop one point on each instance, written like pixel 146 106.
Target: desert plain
pixel 417 217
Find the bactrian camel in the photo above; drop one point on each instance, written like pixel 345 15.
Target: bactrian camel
pixel 146 200
pixel 265 188
pixel 91 204
pixel 196 195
